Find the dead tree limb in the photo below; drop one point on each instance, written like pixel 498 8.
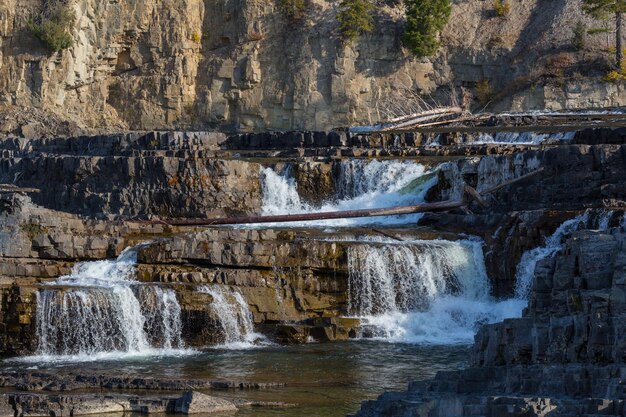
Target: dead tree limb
pixel 10 188
pixel 469 195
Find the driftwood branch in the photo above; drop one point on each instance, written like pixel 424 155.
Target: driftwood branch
pixel 469 195
pixel 10 188
pixel 424 117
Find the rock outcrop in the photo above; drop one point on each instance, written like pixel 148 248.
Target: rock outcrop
pixel 565 356
pixel 245 65
pixel 190 402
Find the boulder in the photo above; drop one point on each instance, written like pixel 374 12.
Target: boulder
pixel 194 402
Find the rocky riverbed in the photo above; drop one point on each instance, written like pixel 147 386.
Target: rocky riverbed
pixel 91 268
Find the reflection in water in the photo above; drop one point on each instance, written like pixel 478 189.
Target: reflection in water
pixel 323 380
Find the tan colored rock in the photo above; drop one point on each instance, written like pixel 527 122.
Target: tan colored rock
pixel 194 402
pixel 149 64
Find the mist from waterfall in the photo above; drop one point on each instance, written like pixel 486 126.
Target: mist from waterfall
pixel 360 185
pixel 424 292
pixel 99 311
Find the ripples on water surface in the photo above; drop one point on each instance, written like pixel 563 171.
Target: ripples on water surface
pixel 323 380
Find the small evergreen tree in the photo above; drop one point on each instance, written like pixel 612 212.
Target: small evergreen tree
pixel 53 29
pixel 603 9
pixel 294 9
pixel 501 7
pixel 424 20
pixel 578 38
pixel 355 17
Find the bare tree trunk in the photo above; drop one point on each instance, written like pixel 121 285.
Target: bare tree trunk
pixel 619 53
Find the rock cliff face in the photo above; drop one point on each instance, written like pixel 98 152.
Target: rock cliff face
pixel 243 64
pixel 565 356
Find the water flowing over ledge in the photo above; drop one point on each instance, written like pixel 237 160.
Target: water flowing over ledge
pixel 236 319
pixel 100 311
pixel 423 292
pixel 360 185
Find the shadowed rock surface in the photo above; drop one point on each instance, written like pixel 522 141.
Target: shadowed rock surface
pixel 565 356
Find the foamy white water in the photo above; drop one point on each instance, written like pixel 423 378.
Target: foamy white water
pixel 526 267
pixel 361 185
pixel 99 311
pixel 426 292
pixel 523 138
pixel 235 317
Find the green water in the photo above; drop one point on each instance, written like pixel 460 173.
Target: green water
pixel 323 380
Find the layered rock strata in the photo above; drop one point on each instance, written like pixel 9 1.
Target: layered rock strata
pixel 249 65
pixel 563 357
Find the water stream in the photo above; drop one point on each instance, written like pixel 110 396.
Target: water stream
pixel 100 310
pixel 235 318
pixel 427 292
pixel 360 185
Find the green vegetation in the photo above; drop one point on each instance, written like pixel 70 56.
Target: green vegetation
pixel 33 230
pixel 613 77
pixel 425 19
pixel 294 9
pixel 355 18
pixel 501 7
pixel 595 31
pixel 54 26
pixel 484 94
pixel 602 9
pixel 578 36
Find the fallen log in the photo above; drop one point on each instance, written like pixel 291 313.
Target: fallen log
pixel 424 118
pixel 329 215
pixel 469 195
pixel 10 188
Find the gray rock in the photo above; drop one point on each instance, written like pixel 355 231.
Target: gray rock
pixel 194 402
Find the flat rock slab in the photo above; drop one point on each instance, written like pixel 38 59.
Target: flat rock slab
pixel 41 405
pixel 194 402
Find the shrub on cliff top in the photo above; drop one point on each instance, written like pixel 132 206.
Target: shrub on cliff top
pixel 355 17
pixel 501 7
pixel 578 36
pixel 53 27
pixel 294 9
pixel 425 19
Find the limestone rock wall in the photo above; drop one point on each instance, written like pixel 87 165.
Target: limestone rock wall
pixel 170 174
pixel 243 64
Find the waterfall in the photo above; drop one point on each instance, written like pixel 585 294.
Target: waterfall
pixel 360 185
pixel 408 277
pixel 523 138
pixel 99 309
pixel 234 316
pixel 429 292
pixel 525 272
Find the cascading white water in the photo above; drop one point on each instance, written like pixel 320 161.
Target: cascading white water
pixel 99 310
pixel 526 267
pixel 523 138
pixel 235 317
pixel 360 184
pixel 408 277
pixel 433 292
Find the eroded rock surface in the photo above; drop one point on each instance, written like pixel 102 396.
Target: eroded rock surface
pixel 563 357
pixel 246 64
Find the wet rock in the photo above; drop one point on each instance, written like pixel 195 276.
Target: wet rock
pixel 565 356
pixel 194 402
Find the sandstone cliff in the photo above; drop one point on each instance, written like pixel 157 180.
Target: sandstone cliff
pixel 242 64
